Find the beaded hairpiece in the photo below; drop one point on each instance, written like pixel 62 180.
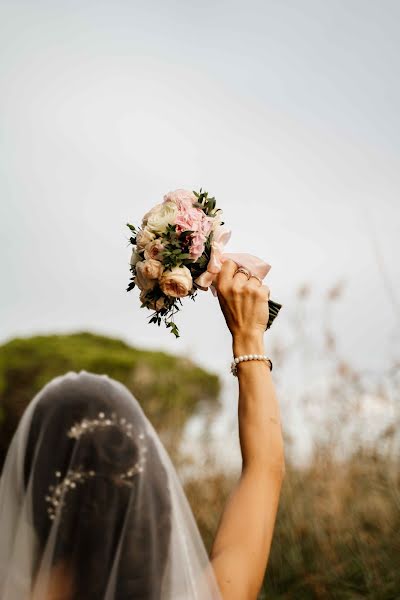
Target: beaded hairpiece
pixel 89 425
pixel 55 497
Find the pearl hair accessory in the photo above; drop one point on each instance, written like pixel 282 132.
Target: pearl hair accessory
pixel 246 357
pixel 56 498
pixel 87 425
pixel 56 495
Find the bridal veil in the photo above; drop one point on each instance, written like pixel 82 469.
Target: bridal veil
pixel 91 507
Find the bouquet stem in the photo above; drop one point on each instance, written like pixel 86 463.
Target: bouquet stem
pixel 274 308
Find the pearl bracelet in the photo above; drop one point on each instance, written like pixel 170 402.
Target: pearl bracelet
pixel 245 357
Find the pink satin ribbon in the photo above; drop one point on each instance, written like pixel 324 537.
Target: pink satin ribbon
pixel 255 265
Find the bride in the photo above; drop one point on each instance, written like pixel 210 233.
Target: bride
pixel 91 507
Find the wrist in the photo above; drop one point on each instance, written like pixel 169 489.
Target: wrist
pixel 248 343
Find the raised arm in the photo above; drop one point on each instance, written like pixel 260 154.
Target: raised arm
pixel 243 540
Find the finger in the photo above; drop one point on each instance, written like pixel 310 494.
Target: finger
pixel 255 281
pixel 227 272
pixel 240 279
pixel 265 288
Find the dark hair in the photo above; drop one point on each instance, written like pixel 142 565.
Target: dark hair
pixel 99 525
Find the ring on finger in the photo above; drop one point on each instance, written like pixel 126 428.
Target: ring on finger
pixel 244 271
pixel 258 278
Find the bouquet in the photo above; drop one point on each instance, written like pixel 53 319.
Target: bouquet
pixel 178 250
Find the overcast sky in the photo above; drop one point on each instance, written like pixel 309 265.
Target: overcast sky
pixel 287 112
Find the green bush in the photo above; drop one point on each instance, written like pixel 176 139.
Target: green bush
pixel 169 388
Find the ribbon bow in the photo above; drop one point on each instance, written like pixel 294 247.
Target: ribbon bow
pixel 256 266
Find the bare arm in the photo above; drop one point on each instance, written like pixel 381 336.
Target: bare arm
pixel 242 544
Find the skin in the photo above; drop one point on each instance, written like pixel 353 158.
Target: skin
pixel 242 543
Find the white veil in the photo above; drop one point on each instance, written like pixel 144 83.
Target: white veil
pixel 90 504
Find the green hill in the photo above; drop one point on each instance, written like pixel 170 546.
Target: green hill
pixel 169 388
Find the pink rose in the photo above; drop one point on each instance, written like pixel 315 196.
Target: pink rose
pixel 181 198
pixel 176 282
pixel 190 218
pixel 196 248
pixel 154 250
pixel 194 219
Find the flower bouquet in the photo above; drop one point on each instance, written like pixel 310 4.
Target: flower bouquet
pixel 178 250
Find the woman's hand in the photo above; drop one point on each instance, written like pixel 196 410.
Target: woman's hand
pixel 243 301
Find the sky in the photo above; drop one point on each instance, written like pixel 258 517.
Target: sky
pixel 286 112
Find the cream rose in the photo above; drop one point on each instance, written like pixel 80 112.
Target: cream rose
pixel 177 282
pixel 151 269
pixel 160 216
pixel 147 273
pixel 154 249
pixel 135 258
pixel 144 237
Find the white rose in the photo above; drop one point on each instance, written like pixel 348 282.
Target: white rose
pixel 160 216
pixel 144 237
pixel 177 282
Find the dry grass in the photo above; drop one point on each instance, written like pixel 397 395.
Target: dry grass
pixel 337 534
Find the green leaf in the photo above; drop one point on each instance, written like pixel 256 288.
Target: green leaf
pixel 174 329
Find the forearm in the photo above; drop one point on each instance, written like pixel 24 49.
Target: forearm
pixel 259 416
pixel 243 541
